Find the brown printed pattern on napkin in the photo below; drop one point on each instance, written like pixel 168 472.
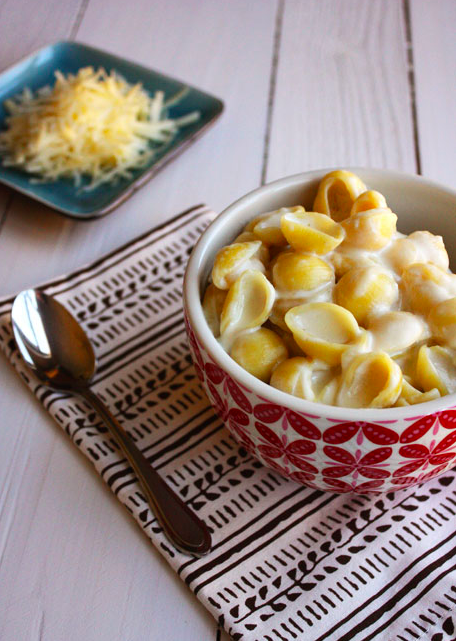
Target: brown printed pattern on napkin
pixel 288 562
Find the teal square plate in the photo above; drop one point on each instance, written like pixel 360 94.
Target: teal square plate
pixel 38 70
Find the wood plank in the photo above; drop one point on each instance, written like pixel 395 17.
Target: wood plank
pixel 76 565
pixel 341 96
pixel 25 28
pixel 434 64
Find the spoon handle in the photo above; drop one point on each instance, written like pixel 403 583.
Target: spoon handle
pixel 184 529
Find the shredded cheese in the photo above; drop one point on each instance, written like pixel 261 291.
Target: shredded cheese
pixel 91 124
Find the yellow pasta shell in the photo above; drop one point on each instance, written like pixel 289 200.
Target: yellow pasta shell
pixel 232 260
pixel 435 368
pixel 268 226
pixel 294 376
pixel 310 231
pixel 425 272
pixel 442 320
pixel 419 247
pixel 371 229
pixel 371 380
pixel 345 259
pixel 336 194
pixel 328 393
pixel 368 200
pixel 259 352
pixel 430 248
pixel 410 395
pixel 247 305
pixel 394 332
pixel 365 290
pixel 297 273
pixel 282 305
pixel 425 285
pixel 407 361
pixel 401 253
pixel 245 237
pixel 322 330
pixel 249 237
pixel 212 307
pixel 362 344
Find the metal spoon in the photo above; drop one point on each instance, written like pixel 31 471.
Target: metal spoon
pixel 55 347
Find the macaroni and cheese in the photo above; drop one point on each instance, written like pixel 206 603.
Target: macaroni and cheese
pixel 335 305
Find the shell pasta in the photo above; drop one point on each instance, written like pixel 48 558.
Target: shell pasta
pixel 336 306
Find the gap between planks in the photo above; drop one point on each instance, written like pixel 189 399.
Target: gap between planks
pixel 272 85
pixel 411 82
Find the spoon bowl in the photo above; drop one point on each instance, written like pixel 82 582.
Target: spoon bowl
pixel 57 350
pixel 51 341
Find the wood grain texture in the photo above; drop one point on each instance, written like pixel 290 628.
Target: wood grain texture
pixel 73 565
pixel 77 566
pixel 434 61
pixel 25 27
pixel 342 96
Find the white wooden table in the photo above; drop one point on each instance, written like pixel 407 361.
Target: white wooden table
pixel 306 84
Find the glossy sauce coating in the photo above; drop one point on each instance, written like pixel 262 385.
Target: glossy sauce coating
pixel 357 313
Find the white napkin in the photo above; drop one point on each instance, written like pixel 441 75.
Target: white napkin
pixel 288 562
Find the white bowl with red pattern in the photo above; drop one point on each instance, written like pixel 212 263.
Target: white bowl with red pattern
pixel 330 448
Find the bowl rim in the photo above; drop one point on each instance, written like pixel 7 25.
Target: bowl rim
pixel 194 310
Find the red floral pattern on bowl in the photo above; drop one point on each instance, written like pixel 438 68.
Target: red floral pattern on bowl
pixel 323 452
